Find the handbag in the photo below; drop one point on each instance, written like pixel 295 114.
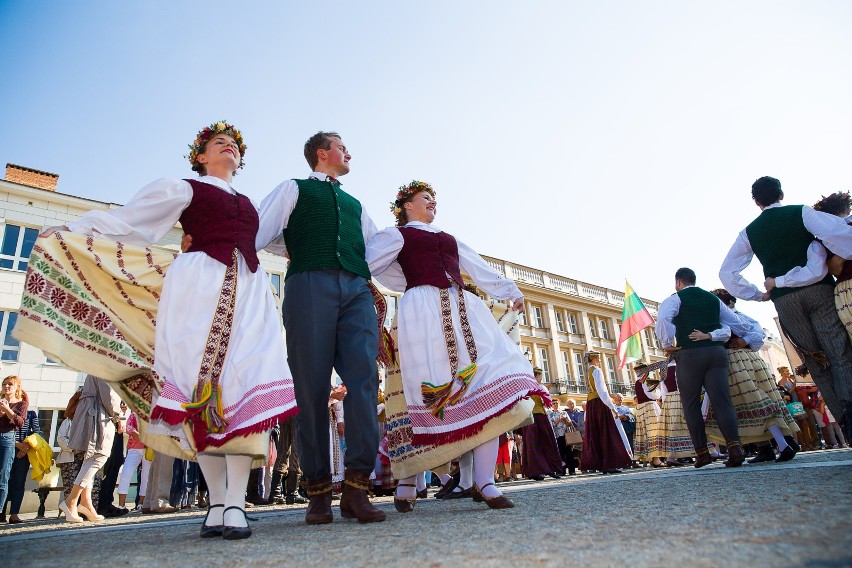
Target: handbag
pixel 796 409
pixel 573 437
pixel 51 478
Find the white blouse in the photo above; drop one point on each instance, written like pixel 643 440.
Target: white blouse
pixel 383 250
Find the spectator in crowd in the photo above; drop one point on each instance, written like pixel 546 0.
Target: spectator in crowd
pixel 13 415
pixel 20 467
pixel 625 414
pixel 112 468
pixel 578 418
pixel 504 457
pixel 91 436
pixel 831 429
pixel 808 395
pixel 136 451
pixel 561 422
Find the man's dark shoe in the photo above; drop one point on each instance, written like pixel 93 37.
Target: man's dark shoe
pixel 786 455
pixel 765 454
pixel 736 455
pixel 294 499
pixel 703 458
pixel 446 489
pixel 354 503
pixel 319 502
pixel 461 494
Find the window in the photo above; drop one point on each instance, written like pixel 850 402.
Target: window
pixel 48 423
pixel 652 339
pixel 522 317
pixel 560 325
pixel 17 246
pixel 610 366
pixel 275 280
pixel 537 319
pixel 578 361
pixel 604 329
pixel 10 344
pixel 566 365
pixel 572 324
pixel 593 327
pixel 545 367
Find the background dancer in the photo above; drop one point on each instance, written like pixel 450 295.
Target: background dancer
pixel 605 445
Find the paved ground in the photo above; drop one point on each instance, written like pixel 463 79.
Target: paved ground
pixel 793 514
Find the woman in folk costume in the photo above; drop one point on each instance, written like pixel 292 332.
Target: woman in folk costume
pixel 217 343
pixel 840 204
pixel 761 413
pixel 605 445
pixel 539 451
pixel 461 374
pixel 647 415
pixel 674 441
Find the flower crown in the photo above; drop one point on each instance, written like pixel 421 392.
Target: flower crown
pixel 406 192
pixel 208 132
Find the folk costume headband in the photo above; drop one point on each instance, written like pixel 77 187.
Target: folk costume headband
pixel 206 134
pixel 406 192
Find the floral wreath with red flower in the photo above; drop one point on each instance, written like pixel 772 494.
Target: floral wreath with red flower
pixel 406 192
pixel 206 134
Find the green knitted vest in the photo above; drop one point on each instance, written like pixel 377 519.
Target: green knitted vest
pixel 780 241
pixel 324 230
pixel 699 310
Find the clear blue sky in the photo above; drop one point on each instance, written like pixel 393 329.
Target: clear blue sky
pixel 596 140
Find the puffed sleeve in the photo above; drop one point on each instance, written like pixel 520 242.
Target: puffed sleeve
pixel 484 276
pixel 145 219
pixel 382 252
pixel 274 214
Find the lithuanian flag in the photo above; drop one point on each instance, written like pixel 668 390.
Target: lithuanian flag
pixel 634 318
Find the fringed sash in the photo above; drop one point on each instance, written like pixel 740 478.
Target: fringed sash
pixel 438 397
pixel 205 411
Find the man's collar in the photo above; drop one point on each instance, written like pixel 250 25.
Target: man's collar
pixel 324 177
pixel 773 206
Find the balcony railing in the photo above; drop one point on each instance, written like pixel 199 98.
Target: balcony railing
pixel 563 284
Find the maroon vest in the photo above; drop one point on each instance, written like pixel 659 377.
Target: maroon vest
pixel 427 258
pixel 219 223
pixel 640 393
pixel 671 379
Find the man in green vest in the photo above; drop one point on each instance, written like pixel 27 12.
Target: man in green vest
pixel 797 281
pixel 330 320
pixel 701 325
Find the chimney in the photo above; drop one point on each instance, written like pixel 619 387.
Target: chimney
pixel 31 177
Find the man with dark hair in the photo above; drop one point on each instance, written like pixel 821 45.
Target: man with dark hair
pixel 701 324
pixel 797 282
pixel 330 320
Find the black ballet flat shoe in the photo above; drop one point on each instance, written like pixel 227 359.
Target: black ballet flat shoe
pixel 764 454
pixel 446 488
pixel 236 533
pixel 423 494
pixel 210 532
pixel 611 471
pixel 463 494
pixel 786 455
pixel 555 475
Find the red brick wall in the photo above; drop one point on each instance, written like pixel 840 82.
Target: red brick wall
pixel 30 177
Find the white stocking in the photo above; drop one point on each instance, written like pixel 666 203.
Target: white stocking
pixel 484 460
pixel 213 468
pixel 444 477
pixel 465 471
pixel 405 492
pixel 779 437
pixel 421 481
pixel 238 473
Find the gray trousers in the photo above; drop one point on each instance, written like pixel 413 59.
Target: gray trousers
pixel 159 481
pixel 706 367
pixel 331 323
pixel 287 460
pixel 810 318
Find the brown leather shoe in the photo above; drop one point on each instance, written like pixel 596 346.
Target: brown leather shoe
pixel 404 504
pixel 736 455
pixel 703 458
pixel 354 503
pixel 319 502
pixel 499 502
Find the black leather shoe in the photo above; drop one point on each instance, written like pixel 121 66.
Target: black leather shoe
pixel 236 533
pixel 210 532
pixel 786 455
pixel 765 454
pixel 555 475
pixel 791 441
pixel 611 471
pixel 447 488
pixel 463 494
pixel 294 499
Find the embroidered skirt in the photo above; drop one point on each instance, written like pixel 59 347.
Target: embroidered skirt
pixel 647 434
pixel 674 440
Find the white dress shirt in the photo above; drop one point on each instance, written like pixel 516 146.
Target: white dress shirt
pixel 833 231
pixel 731 322
pixel 279 205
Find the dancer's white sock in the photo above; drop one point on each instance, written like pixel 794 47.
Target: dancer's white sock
pixel 779 437
pixel 407 492
pixel 213 468
pixel 421 481
pixel 466 471
pixel 484 460
pixel 238 468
